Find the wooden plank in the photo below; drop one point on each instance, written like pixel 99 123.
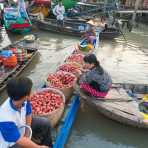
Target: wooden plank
pixel 121 115
pixel 129 108
pixel 132 11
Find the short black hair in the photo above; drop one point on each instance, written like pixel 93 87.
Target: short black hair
pixel 19 87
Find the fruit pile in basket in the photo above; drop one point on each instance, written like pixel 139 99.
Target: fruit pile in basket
pixel 61 79
pixel 73 68
pixel 78 58
pixel 46 101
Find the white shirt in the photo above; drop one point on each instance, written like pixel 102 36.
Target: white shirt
pixel 11 121
pixel 59 12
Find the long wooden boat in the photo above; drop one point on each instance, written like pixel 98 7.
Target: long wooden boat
pixel 14 72
pixel 120 104
pixel 72 28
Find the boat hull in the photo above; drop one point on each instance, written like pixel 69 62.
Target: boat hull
pixel 118 106
pixel 71 29
pixel 20 66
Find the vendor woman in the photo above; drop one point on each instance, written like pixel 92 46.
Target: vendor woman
pixel 16 113
pixel 90 36
pixel 96 81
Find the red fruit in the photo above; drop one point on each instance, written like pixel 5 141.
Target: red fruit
pixel 78 58
pixel 61 79
pixel 45 102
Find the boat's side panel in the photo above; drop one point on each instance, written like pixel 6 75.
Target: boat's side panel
pixel 65 130
pixel 120 108
pixel 17 71
pixel 53 28
pixel 108 34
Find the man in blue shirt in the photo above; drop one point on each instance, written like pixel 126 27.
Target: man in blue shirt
pixel 16 113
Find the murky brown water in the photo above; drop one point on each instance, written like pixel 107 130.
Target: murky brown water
pixel 125 61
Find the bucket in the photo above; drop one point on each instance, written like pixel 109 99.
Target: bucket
pixel 10 61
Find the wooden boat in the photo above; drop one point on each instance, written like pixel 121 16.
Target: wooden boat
pixel 72 28
pixel 120 104
pixel 14 72
pixel 15 23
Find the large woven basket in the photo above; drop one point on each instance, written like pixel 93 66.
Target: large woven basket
pixel 76 53
pixel 77 72
pixel 67 91
pixel 55 115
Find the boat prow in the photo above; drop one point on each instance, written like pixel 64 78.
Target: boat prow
pixel 119 106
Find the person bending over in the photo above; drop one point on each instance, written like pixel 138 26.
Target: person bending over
pixel 96 81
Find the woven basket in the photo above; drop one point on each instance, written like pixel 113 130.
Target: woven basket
pixel 55 115
pixel 75 61
pixel 67 91
pixel 77 65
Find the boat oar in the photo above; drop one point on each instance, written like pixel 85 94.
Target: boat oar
pixel 105 99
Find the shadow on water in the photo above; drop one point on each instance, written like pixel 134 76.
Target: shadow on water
pixel 92 130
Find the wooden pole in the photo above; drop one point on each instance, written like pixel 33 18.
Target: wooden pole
pixel 137 4
pixel 105 4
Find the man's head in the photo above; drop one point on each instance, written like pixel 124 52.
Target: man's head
pixel 19 88
pixel 60 2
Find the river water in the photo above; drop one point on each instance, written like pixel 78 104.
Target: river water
pixel 126 61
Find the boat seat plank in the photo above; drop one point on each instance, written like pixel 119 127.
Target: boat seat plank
pixel 122 114
pixel 129 107
pixel 118 92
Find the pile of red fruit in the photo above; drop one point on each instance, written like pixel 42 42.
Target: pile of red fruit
pixel 70 67
pixel 78 58
pixel 45 102
pixel 61 79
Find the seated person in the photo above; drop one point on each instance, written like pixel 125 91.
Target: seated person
pixel 16 113
pixel 90 36
pixel 96 81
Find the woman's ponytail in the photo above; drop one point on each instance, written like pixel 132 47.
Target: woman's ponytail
pixel 98 66
pixel 92 59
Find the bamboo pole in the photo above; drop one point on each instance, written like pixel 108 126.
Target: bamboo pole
pixel 137 4
pixel 105 3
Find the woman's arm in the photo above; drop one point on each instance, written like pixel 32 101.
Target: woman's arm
pixel 86 77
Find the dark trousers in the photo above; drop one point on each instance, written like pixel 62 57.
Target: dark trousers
pixel 41 131
pixel 60 23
